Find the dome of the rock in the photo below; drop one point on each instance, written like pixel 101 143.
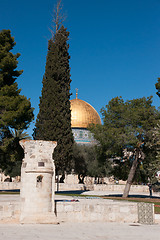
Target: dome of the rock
pixel 83 114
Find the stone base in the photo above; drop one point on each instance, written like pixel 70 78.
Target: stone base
pixel 48 218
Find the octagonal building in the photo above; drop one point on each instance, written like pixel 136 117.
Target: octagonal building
pixel 83 114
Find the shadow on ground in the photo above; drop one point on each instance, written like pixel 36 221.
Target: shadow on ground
pixel 132 196
pixel 10 191
pixel 71 192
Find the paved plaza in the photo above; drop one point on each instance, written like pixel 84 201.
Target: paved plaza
pixel 80 231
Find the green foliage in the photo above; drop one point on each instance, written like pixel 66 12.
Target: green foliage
pixel 15 110
pixel 54 119
pixel 8 61
pixel 128 125
pixel 87 164
pixel 121 170
pixel 151 164
pixel 157 85
pixel 12 156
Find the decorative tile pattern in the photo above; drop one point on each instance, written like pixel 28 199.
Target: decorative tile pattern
pixel 145 213
pixel 83 136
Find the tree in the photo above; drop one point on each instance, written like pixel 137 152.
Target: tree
pixel 157 85
pixel 15 110
pixel 126 133
pixel 80 156
pixel 152 154
pixel 54 117
pixel 87 164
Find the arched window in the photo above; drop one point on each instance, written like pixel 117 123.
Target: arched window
pixel 39 179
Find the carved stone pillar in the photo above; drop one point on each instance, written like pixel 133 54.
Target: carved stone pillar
pixel 37 181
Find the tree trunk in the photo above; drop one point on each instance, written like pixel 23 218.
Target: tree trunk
pixel 62 178
pixel 131 175
pixel 81 178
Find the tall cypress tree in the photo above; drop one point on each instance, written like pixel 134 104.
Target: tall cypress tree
pixel 54 118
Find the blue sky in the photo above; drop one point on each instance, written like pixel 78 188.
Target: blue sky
pixel 114 47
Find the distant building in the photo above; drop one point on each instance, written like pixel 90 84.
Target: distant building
pixel 83 114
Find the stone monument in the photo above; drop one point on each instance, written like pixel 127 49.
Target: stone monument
pixel 37 182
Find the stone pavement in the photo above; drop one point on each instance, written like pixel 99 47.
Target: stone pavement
pixel 80 231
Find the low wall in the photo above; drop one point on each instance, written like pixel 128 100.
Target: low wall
pixel 102 187
pixel 95 187
pixel 10 185
pixel 88 210
pixel 60 186
pixel 9 212
pixel 80 210
pixel 95 210
pixel 67 187
pixel 120 188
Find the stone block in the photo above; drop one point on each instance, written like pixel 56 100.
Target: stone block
pixel 59 207
pixel 124 209
pixel 77 207
pixel 68 208
pixel 111 217
pixel 1 207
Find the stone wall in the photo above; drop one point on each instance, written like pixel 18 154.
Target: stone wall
pixel 120 188
pixel 97 210
pixel 76 186
pixel 10 185
pixel 9 212
pixel 102 187
pixel 86 210
pixel 78 210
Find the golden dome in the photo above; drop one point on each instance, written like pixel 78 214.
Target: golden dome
pixel 83 114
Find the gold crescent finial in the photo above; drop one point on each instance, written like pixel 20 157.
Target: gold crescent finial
pixel 76 93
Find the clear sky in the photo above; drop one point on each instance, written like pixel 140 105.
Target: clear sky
pixel 114 47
